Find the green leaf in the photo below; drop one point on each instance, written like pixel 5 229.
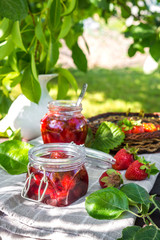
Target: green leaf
pixel 14 156
pixel 6 48
pixel 11 80
pixel 79 58
pixel 14 9
pixel 136 193
pixel 55 15
pixel 125 11
pixel 5 103
pixel 16 36
pixel 63 87
pixel 67 23
pixel 70 7
pixel 156 202
pixel 108 136
pixel 107 203
pixel 30 86
pixel 16 135
pixel 53 54
pixel 153 50
pixel 40 34
pixel 68 76
pixel 5 28
pixel 128 233
pixel 12 60
pixel 142 31
pixel 33 67
pixel 131 50
pixel 148 233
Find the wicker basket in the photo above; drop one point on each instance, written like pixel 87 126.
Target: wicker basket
pixel 146 142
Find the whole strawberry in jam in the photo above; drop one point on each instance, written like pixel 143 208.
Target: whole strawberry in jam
pixel 140 170
pixel 124 158
pixel 110 178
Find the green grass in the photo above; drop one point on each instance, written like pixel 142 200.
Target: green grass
pixel 116 90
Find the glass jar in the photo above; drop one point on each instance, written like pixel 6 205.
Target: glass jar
pixel 56 174
pixel 64 122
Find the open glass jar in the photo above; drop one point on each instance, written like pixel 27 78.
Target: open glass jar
pixel 56 174
pixel 64 122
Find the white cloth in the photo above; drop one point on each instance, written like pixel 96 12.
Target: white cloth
pixel 28 220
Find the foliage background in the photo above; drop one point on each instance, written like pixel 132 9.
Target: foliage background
pixel 31 38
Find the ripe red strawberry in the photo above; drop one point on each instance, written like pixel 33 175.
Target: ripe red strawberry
pixel 124 158
pixel 140 170
pixel 110 178
pixel 137 129
pixel 149 127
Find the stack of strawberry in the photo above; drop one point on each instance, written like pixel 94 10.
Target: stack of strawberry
pixel 136 168
pixel 130 126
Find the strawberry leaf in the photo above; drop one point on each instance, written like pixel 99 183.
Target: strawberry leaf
pixel 136 193
pixel 107 203
pixel 153 169
pixel 108 136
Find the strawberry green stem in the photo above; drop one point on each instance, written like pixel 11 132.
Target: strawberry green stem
pixel 148 217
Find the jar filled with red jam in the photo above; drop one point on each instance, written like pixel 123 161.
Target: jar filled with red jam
pixel 64 123
pixel 56 174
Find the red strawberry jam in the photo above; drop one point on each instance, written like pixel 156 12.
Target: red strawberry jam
pixel 65 173
pixel 64 122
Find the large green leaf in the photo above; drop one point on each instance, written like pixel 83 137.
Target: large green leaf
pixel 70 6
pixel 16 35
pixel 63 87
pixel 136 193
pixel 40 34
pixel 14 156
pixel 108 136
pixel 107 203
pixel 142 31
pixel 30 86
pixel 125 11
pixel 55 15
pixel 128 233
pixel 156 202
pixel 148 233
pixel 11 80
pixel 79 58
pixel 67 23
pixel 154 50
pixel 69 77
pixel 5 103
pixel 14 9
pixel 53 54
pixel 6 48
pixel 5 28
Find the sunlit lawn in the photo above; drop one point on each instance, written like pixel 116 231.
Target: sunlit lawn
pixel 116 90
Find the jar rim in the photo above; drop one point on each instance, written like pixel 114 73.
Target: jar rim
pixel 77 155
pixel 64 104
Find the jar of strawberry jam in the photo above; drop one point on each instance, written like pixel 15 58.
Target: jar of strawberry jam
pixel 64 122
pixel 56 174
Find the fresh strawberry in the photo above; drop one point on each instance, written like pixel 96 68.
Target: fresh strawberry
pixel 149 127
pixel 157 127
pixel 137 129
pixel 129 126
pixel 124 158
pixel 110 178
pixel 140 170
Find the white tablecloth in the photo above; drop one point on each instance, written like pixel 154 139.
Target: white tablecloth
pixel 22 219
